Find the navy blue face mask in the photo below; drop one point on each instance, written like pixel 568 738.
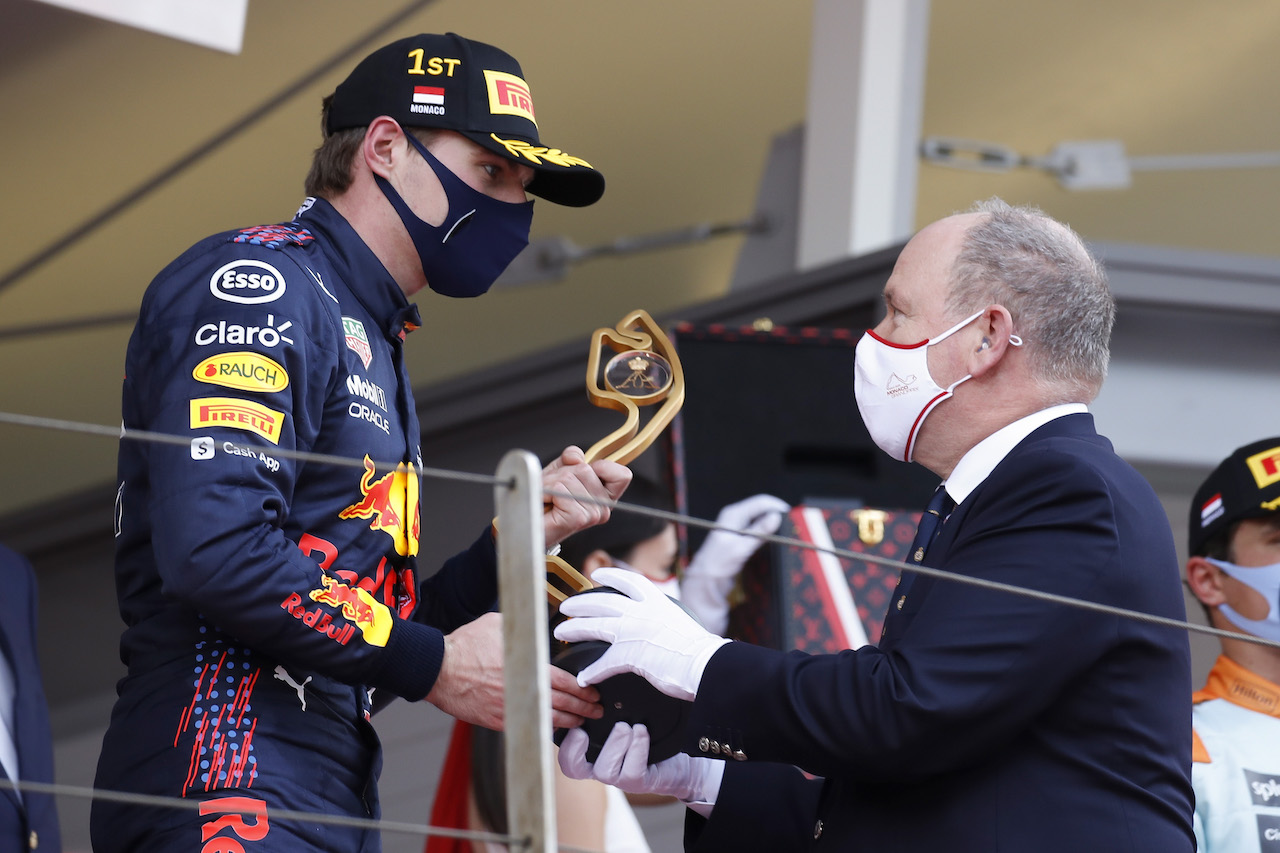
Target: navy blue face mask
pixel 464 255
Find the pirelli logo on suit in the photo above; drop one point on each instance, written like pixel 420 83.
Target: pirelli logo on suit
pixel 237 414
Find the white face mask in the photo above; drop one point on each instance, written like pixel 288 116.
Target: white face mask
pixel 1266 581
pixel 669 587
pixel 894 390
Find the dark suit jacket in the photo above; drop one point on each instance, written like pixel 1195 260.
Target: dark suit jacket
pixel 36 812
pixel 984 721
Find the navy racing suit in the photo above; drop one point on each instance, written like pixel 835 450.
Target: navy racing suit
pixel 266 599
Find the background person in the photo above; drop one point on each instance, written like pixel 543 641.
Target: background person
pixel 983 720
pixel 271 603
pixel 1234 570
pixel 649 545
pixel 27 820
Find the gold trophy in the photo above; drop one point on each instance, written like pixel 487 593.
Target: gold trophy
pixel 643 371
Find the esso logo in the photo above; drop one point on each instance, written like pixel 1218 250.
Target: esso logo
pixel 247 282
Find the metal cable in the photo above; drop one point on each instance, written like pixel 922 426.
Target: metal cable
pixel 380 825
pixel 928 571
pixel 127 434
pixel 678 518
pixel 61 327
pixel 273 813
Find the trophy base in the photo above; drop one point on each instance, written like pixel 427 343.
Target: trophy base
pixel 626 698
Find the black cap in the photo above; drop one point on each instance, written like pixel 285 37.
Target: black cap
pixel 453 83
pixel 1245 485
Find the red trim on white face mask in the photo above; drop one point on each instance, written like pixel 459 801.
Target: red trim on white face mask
pixel 915 427
pixel 873 334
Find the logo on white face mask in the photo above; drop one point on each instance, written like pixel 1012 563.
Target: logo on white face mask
pixel 897 386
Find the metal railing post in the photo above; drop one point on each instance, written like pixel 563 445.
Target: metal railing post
pixel 522 599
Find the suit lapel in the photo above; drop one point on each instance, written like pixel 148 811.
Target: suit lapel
pixel 899 617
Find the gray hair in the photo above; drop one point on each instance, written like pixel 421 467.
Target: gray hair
pixel 1055 290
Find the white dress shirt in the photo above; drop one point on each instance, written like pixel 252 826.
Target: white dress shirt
pixel 8 748
pixel 976 465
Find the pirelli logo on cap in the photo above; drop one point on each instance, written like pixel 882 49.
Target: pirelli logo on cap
pixel 509 95
pixel 235 413
pixel 1265 467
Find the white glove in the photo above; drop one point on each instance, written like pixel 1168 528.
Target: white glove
pixel 650 634
pixel 708 579
pixel 623 763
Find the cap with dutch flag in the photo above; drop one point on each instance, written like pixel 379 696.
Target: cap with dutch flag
pixel 454 83
pixel 1245 485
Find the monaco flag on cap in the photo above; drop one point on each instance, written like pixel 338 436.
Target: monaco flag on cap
pixel 428 95
pixel 1211 510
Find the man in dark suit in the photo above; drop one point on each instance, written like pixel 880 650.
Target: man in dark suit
pixel 984 720
pixel 28 821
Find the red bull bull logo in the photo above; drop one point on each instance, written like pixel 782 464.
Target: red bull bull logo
pixel 396 588
pixel 354 603
pixel 391 504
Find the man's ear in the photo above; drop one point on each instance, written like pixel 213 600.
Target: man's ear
pixel 1205 580
pixel 382 144
pixel 996 327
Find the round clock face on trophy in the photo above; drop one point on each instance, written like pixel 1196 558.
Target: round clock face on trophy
pixel 641 375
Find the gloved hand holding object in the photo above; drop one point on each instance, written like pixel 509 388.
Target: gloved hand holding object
pixel 623 763
pixel 650 634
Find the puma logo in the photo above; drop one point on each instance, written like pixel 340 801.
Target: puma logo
pixel 283 675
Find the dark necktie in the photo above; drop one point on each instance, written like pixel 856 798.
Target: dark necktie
pixel 940 506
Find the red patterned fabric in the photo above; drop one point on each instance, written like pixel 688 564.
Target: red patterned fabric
pixel 787 602
pixel 450 807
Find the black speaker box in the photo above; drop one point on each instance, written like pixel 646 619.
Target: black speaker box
pixel 773 411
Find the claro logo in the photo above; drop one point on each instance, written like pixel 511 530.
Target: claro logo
pixel 247 282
